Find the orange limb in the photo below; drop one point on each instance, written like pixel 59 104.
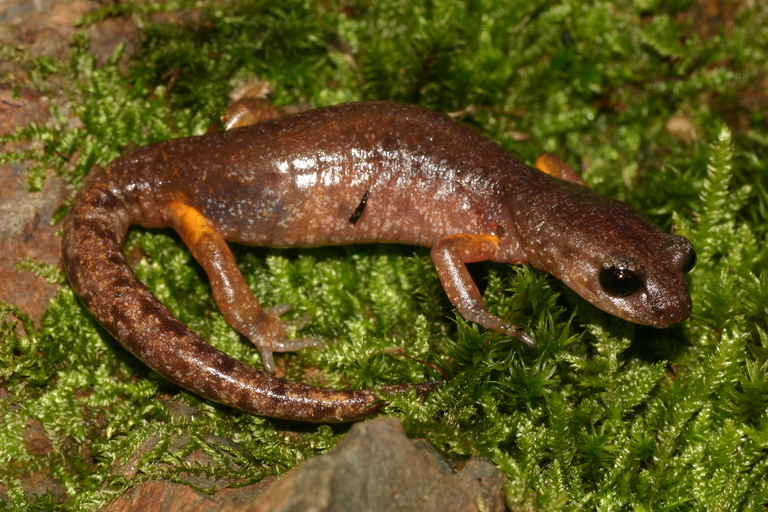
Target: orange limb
pixel 555 166
pixel 450 255
pixel 232 295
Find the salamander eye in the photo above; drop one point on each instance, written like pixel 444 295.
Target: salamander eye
pixel 620 281
pixel 690 262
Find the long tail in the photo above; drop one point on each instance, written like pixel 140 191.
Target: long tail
pixel 94 231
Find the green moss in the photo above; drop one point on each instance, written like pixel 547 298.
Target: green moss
pixel 602 415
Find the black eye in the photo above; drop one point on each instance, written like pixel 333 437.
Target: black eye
pixel 619 281
pixel 691 262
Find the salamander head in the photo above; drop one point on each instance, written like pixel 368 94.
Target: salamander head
pixel 615 257
pixel 649 291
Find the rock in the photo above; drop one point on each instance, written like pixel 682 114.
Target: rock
pixel 165 496
pixel 376 468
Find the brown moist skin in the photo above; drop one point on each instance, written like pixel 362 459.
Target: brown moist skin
pixel 354 173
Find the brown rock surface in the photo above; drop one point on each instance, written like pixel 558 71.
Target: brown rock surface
pixel 376 468
pixel 42 28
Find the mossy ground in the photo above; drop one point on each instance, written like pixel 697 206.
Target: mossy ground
pixel 602 415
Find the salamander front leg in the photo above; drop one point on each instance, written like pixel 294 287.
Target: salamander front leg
pixel 555 166
pixel 450 255
pixel 233 297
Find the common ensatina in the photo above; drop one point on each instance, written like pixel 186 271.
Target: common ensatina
pixel 353 173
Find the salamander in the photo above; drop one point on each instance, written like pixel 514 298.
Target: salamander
pixel 352 173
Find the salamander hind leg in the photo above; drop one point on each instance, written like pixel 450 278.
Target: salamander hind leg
pixel 450 255
pixel 270 336
pixel 234 298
